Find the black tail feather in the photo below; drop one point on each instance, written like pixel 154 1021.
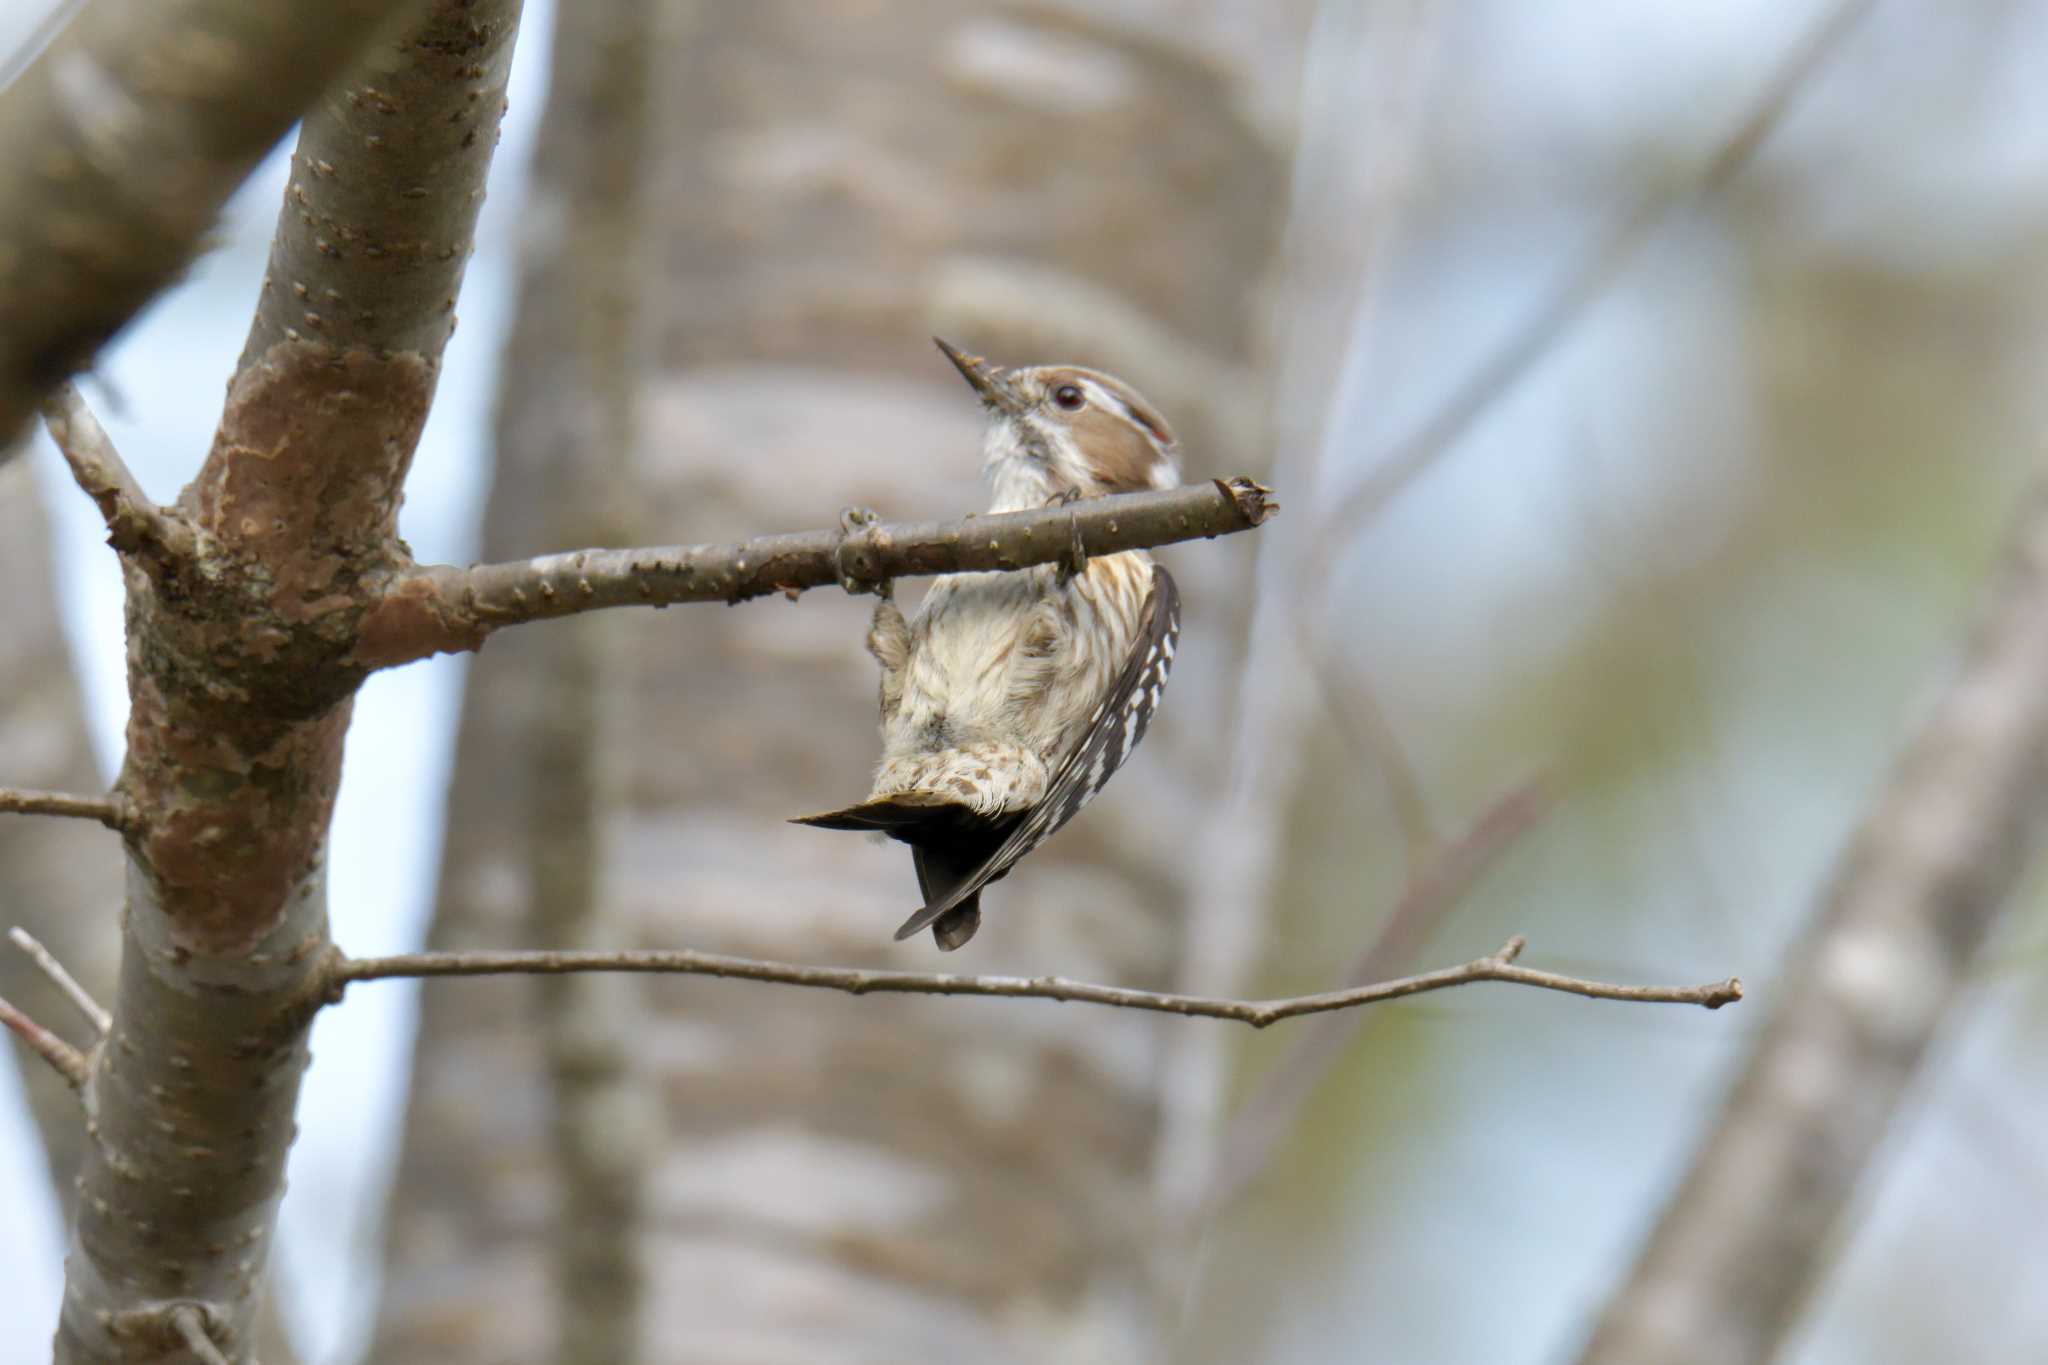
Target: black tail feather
pixel 948 844
pixel 889 815
pixel 941 869
pixel 957 925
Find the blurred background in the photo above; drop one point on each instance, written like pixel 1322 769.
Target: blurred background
pixel 1638 474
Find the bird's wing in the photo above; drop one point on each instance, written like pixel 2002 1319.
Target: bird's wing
pixel 1113 732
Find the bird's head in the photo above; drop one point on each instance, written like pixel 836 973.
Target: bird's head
pixel 1054 428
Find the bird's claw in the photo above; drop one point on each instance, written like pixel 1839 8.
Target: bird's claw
pixel 854 557
pixel 1075 562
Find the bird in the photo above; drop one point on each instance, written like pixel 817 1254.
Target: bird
pixel 1008 700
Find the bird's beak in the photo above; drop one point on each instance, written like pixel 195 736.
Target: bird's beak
pixel 985 379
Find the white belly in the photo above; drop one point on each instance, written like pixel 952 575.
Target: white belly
pixel 1003 675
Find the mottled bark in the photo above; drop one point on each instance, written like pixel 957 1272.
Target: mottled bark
pixel 240 695
pixel 59 879
pixel 121 143
pixel 871 1179
pixel 385 189
pixel 1916 894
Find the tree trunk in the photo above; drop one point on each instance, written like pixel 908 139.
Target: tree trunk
pixel 120 144
pixel 1727 1270
pixel 242 610
pixel 840 1179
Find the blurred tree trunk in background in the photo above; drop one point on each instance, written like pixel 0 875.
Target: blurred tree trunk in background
pixel 59 879
pixel 533 1254
pixel 726 292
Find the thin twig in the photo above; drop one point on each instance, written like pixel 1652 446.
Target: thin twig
pixel 439 608
pixel 135 525
pixel 111 810
pixel 1261 1122
pixel 1357 715
pixel 1448 877
pixel 94 1014
pixel 66 1060
pixel 1584 285
pixel 1499 966
pixel 191 1325
pixel 1359 720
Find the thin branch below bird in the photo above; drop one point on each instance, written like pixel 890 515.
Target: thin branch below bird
pixel 1259 1125
pixel 1498 966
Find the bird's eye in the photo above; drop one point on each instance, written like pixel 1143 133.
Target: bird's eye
pixel 1070 397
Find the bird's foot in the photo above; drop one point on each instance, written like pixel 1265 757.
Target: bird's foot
pixel 856 559
pixel 1075 562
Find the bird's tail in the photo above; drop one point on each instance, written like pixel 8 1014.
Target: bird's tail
pixel 897 815
pixel 948 843
pixel 940 871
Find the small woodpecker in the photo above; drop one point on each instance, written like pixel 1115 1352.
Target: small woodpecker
pixel 1009 699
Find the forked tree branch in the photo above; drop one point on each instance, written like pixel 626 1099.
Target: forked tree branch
pixel 111 811
pixel 1497 966
pixel 134 523
pixel 441 609
pixel 238 687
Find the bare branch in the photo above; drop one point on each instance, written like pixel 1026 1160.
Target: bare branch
pixel 1356 714
pixel 1736 1254
pixel 1516 356
pixel 1264 1120
pixel 134 523
pixel 67 984
pixel 1445 880
pixel 112 810
pixel 1499 966
pixel 66 1060
pixel 444 609
pixel 118 147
